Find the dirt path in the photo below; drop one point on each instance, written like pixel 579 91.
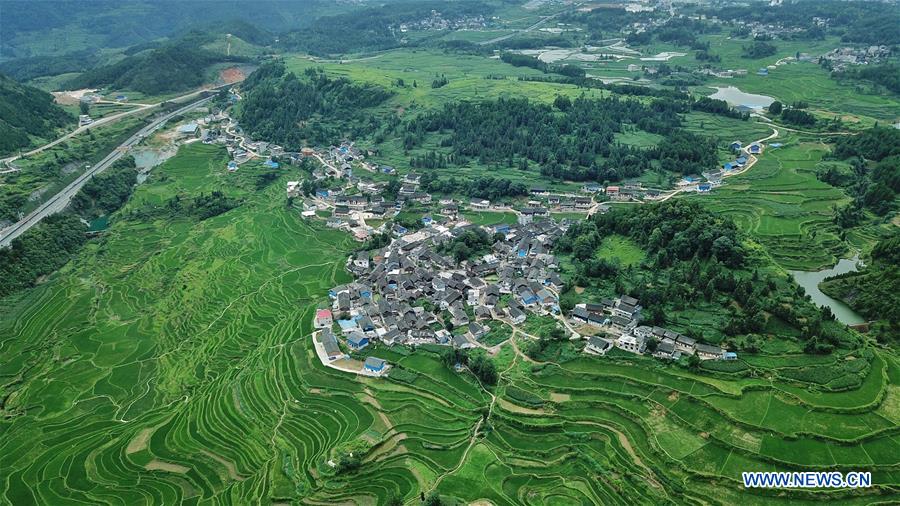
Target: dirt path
pixel 474 439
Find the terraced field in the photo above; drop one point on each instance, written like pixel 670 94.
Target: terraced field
pixel 782 204
pixel 171 363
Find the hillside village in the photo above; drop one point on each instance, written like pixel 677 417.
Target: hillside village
pixel 411 293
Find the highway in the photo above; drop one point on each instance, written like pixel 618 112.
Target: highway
pixel 59 201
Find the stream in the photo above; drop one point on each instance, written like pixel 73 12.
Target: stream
pixel 810 282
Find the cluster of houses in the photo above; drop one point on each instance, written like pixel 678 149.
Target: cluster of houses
pixel 621 318
pixel 842 57
pixel 410 293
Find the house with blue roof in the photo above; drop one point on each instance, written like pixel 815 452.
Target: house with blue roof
pixel 348 325
pixel 741 161
pixel 736 145
pixel 728 166
pixel 358 340
pixel 426 220
pixel 271 164
pixel 374 364
pixel 704 187
pixel 755 148
pixel 322 194
pixel 232 166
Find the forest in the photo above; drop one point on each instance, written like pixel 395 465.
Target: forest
pixel 106 192
pixel 278 105
pixel 862 22
pixel 482 187
pixel 373 28
pixel 872 291
pixel 874 176
pixel 27 112
pixel 883 75
pixel 177 66
pixel 694 256
pixel 573 140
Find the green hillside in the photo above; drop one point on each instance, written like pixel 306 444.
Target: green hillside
pixel 174 67
pixel 26 113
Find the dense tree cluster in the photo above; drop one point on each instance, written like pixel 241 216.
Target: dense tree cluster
pixel 108 191
pixel 798 117
pixel 875 143
pixel 472 243
pixel 863 22
pixel 875 290
pixel 874 176
pixel 694 255
pixel 25 69
pixel 758 49
pixel 374 28
pixel 882 75
pixel 522 60
pixel 482 187
pixel 278 106
pixel 481 366
pixel 173 67
pixel 572 140
pixel 25 112
pixel 41 250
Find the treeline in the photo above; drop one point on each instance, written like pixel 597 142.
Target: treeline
pixel 874 178
pixel 481 366
pixel 374 28
pixel 883 75
pixel 173 67
pixel 470 244
pixel 874 291
pixel 278 105
pixel 200 207
pixel 485 187
pixel 758 49
pixel 50 244
pixel 41 250
pixel 678 31
pixel 522 60
pixel 695 255
pixel 106 192
pixel 572 140
pixel 26 112
pixel 863 22
pixel 25 69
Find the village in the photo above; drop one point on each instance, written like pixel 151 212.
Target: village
pixel 411 292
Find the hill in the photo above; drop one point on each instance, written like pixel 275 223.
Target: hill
pixel 176 66
pixel 26 112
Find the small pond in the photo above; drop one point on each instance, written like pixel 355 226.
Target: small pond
pixel 735 96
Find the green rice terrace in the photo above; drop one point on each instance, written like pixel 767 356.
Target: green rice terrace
pixel 172 363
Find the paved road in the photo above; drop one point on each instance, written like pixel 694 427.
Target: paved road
pixel 519 32
pixel 59 201
pixel 105 120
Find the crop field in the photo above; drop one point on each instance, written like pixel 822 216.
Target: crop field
pixel 782 204
pixel 620 249
pixel 171 362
